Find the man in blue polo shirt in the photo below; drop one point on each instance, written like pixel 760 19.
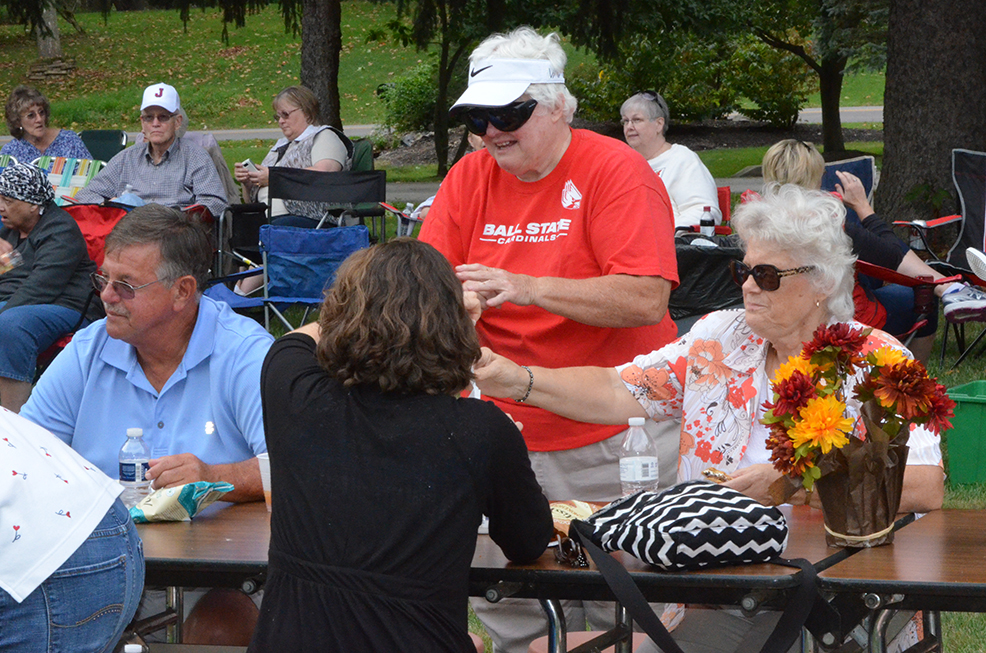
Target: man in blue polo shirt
pixel 181 366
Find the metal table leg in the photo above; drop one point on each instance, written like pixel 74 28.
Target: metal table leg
pixel 623 618
pixel 175 599
pixel 557 640
pixel 878 630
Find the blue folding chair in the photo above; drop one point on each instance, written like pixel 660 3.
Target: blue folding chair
pixel 299 266
pixel 863 167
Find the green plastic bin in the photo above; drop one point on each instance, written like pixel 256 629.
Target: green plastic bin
pixel 966 442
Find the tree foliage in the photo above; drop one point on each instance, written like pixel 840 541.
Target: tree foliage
pixel 701 78
pixel 450 29
pixel 825 34
pixel 840 30
pixel 318 21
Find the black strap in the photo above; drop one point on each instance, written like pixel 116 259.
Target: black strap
pixel 785 634
pixel 281 151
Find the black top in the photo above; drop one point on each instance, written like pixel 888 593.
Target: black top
pixel 56 264
pixel 874 241
pixel 377 499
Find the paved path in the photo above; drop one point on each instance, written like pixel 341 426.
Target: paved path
pixel 848 114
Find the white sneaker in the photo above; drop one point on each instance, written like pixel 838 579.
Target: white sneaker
pixel 977 262
pixel 965 305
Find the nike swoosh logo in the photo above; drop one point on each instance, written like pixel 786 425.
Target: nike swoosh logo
pixel 473 73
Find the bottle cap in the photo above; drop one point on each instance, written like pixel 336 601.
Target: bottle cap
pixel 133 433
pixel 636 421
pixel 708 208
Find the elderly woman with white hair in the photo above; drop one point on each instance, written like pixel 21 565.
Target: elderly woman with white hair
pixel 797 274
pixel 645 119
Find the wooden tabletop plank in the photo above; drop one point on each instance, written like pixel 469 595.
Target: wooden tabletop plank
pixel 229 542
pixel 943 553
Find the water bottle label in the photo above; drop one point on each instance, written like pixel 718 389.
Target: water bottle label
pixel 129 472
pixel 641 469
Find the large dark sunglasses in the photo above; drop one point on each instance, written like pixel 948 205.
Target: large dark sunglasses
pixel 121 288
pixel 507 119
pixel 768 277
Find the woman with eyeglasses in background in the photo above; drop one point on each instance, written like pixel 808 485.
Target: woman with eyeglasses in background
pixel 797 274
pixel 42 297
pixel 645 119
pixel 28 115
pixel 306 144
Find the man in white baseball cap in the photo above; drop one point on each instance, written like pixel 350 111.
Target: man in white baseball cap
pixel 569 236
pixel 163 168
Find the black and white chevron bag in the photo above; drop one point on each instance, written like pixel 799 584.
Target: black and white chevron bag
pixel 690 526
pixel 693 525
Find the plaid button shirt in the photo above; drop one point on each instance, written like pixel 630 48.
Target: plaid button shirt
pixel 186 175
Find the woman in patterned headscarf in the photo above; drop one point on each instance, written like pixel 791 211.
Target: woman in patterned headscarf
pixel 44 296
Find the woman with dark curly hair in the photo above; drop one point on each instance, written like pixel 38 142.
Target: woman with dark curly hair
pixel 28 113
pixel 381 473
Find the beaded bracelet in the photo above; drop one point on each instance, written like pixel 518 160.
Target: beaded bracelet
pixel 530 385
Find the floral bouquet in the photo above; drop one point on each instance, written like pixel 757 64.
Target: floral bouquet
pixel 840 419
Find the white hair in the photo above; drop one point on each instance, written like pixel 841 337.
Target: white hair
pixel 525 43
pixel 653 107
pixel 808 224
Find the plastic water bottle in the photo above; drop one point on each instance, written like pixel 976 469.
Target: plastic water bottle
pixel 638 459
pixel 707 226
pixel 10 260
pixel 134 457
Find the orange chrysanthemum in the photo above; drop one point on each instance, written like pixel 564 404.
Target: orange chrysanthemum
pixel 823 424
pixel 906 388
pixel 885 356
pixel 793 364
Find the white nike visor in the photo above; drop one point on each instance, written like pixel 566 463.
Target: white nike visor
pixel 498 82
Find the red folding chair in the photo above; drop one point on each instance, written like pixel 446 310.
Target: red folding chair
pixel 96 222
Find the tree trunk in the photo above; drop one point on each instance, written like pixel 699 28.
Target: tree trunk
pixel 321 43
pixel 129 5
pixel 49 42
pixel 830 87
pixel 934 100
pixel 441 107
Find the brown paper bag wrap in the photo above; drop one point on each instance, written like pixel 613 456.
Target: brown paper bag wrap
pixel 860 488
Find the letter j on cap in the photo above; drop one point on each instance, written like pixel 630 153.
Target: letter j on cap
pixel 160 92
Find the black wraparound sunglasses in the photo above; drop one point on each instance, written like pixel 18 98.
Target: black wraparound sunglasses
pixel 768 277
pixel 507 119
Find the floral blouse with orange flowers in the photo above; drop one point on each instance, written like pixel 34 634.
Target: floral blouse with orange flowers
pixel 714 380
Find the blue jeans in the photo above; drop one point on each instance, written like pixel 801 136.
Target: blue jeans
pixel 899 302
pixel 28 331
pixel 88 602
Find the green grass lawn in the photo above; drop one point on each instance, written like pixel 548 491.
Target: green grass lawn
pixel 229 85
pixel 221 85
pixel 728 162
pixel 858 90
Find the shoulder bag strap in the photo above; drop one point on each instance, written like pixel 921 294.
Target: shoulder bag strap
pixel 785 634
